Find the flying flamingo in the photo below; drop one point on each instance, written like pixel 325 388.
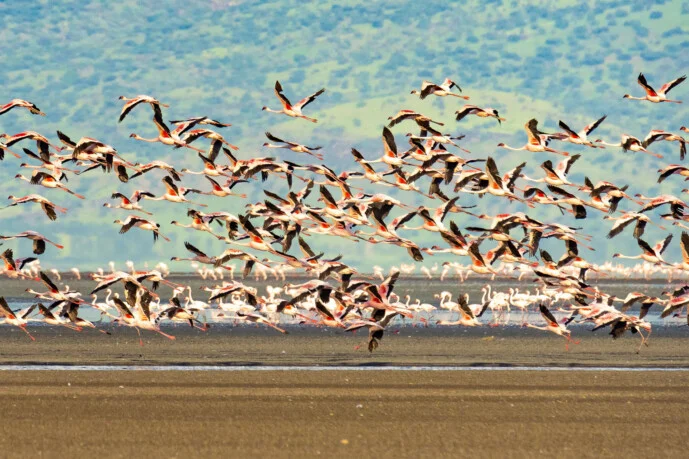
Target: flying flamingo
pixel 538 141
pixel 48 181
pixel 656 96
pixel 441 90
pixel 148 225
pixel 133 102
pixel 553 326
pixel 18 319
pixel 23 104
pixel 478 111
pixel 293 110
pixel 630 143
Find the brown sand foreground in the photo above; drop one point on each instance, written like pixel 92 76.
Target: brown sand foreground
pixel 343 414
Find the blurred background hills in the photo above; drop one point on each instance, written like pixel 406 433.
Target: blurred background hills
pixel 569 60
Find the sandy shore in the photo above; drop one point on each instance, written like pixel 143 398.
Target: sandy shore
pixel 343 414
pixel 251 345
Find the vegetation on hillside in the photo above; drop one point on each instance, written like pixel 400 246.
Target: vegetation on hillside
pixel 566 59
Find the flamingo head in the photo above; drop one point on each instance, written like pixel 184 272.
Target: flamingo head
pixel 616 255
pixel 264 108
pixel 626 96
pixel 501 144
pixel 122 98
pixel 132 135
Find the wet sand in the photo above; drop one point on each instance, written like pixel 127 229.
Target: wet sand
pixel 343 414
pixel 405 345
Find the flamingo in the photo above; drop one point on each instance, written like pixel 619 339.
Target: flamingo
pixel 165 136
pixel 174 193
pixel 48 207
pixel 38 241
pixel 630 143
pixel 581 137
pixel 478 111
pixel 553 326
pixel 295 147
pixel 649 254
pixel 656 96
pixel 441 90
pixel 48 181
pixel 18 319
pixel 538 141
pixel 293 110
pixel 148 225
pixel 132 203
pixel 14 103
pixel 134 101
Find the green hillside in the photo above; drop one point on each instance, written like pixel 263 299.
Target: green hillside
pixel 569 60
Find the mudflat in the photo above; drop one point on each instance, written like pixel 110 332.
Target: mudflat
pixel 343 413
pixel 402 345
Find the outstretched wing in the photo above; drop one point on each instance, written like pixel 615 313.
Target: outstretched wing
pixel 307 100
pixel 591 127
pixel 644 84
pixel 668 86
pixel 283 99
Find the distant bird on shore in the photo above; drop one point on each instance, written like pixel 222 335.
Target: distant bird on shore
pixel 293 110
pixel 656 96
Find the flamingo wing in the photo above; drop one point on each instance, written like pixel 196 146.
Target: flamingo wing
pixel 283 99
pixel 568 130
pixel 591 127
pixel 668 86
pixel 307 100
pixel 644 84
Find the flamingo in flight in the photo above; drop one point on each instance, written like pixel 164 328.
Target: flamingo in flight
pixel 134 101
pixel 138 222
pixel 22 104
pixel 478 111
pixel 538 141
pixel 293 110
pixel 630 143
pixel 18 319
pixel 656 96
pixel 48 181
pixel 581 137
pixel 295 147
pixel 441 90
pixel 38 241
pixel 553 326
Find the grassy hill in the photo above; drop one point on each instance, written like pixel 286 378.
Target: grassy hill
pixel 569 60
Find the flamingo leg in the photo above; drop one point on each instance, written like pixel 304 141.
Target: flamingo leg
pixel 170 337
pixel 27 332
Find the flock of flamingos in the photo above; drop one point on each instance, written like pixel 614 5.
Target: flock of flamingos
pixel 275 232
